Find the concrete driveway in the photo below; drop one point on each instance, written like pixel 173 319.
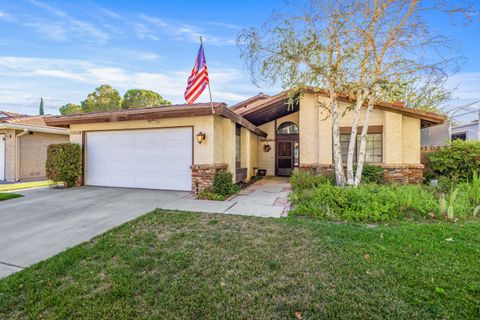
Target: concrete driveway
pixel 47 221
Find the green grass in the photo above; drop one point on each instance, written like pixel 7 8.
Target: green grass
pixel 25 185
pixel 198 266
pixel 8 196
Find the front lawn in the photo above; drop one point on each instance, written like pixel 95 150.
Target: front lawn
pixel 8 196
pixel 198 266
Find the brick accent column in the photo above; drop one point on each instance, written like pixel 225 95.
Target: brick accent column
pixel 318 168
pixel 403 173
pixel 202 175
pixel 399 173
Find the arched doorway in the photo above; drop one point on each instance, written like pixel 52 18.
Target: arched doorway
pixel 287 151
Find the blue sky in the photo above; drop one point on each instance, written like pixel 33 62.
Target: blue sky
pixel 62 50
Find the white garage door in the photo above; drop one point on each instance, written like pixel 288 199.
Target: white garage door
pixel 152 159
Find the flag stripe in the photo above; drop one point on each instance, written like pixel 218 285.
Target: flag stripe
pixel 198 79
pixel 198 82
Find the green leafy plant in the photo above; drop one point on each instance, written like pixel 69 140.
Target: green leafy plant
pixel 476 211
pixel 474 190
pixel 223 184
pixel 306 180
pixel 208 194
pixel 372 174
pixel 457 161
pixel 367 202
pixel 447 207
pixel 64 163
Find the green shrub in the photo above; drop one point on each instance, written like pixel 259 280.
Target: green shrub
pixel 208 194
pixel 372 174
pixel 223 185
pixel 468 197
pixel 306 180
pixel 64 163
pixel 457 161
pixel 367 202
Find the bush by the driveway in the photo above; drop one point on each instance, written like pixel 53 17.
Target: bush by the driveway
pixel 64 163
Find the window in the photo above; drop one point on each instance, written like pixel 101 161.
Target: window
pixel 459 136
pixel 296 154
pixel 287 128
pixel 373 150
pixel 238 146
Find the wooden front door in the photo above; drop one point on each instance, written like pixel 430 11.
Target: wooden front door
pixel 285 158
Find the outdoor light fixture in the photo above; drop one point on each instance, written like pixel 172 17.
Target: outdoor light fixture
pixel 200 137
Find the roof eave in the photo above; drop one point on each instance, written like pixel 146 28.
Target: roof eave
pixel 33 128
pixel 152 114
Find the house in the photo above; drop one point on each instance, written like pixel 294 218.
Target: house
pixel 466 131
pixel 441 135
pixel 23 146
pixel 181 147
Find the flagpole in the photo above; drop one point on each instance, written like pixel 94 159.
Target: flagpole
pixel 209 90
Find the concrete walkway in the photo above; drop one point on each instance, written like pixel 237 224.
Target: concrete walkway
pixel 265 198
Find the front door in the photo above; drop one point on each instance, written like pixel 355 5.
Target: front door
pixel 285 158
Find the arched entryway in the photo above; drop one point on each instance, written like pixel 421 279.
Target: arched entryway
pixel 287 150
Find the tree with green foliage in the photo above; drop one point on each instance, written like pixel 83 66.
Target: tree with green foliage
pixel 41 110
pixel 70 108
pixel 104 98
pixel 349 48
pixel 140 98
pixel 426 94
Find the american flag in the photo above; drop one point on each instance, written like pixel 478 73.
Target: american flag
pixel 198 79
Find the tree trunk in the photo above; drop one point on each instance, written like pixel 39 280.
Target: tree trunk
pixel 337 152
pixel 353 137
pixel 363 142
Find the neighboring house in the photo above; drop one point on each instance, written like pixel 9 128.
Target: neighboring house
pixel 23 146
pixel 466 131
pixel 442 135
pixel 436 136
pixel 181 147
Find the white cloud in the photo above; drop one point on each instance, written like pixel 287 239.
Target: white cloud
pixel 70 80
pixel 467 84
pixel 6 16
pixel 184 32
pixel 66 25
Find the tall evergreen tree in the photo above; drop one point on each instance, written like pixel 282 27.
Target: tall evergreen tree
pixel 41 111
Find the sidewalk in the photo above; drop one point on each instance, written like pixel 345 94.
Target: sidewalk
pixel 265 198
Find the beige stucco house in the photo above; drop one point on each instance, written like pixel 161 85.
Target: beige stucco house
pixel 181 147
pixel 23 146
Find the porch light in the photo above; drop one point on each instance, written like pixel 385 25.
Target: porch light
pixel 200 137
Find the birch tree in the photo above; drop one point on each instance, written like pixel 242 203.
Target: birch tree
pixel 398 38
pixel 307 49
pixel 351 48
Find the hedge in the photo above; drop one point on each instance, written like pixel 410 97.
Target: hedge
pixel 64 163
pixel 458 161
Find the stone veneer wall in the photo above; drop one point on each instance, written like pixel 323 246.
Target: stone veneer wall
pixel 399 173
pixel 202 175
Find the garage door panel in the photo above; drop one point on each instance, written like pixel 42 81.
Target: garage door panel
pixel 148 149
pixel 121 137
pixel 122 181
pixel 149 168
pixel 122 167
pixel 177 134
pixel 175 166
pixel 123 151
pixel 156 159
